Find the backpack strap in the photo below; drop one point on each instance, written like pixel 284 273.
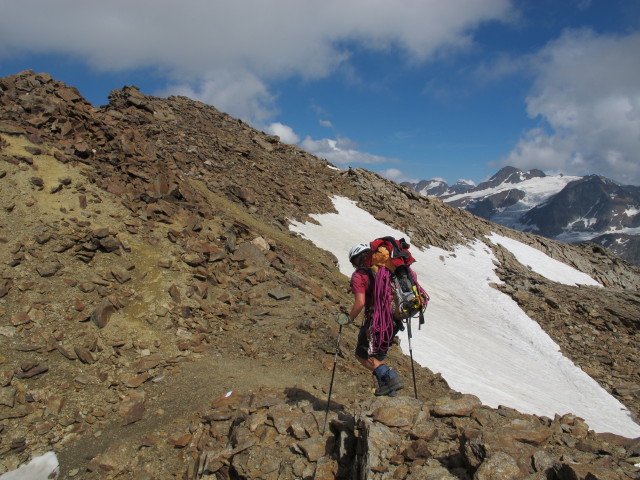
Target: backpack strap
pixel 372 279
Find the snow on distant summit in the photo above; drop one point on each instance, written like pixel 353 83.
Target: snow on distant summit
pixel 437 187
pixel 562 207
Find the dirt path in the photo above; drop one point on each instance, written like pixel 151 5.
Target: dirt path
pixel 175 399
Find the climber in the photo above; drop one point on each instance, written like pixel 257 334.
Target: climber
pixel 370 351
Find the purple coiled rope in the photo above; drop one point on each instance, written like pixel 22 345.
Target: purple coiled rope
pixel 382 321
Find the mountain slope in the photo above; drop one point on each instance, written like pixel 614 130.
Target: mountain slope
pixel 159 319
pixel 564 208
pixel 591 204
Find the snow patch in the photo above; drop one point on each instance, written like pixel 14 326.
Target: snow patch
pixel 631 212
pixel 477 337
pixel 542 264
pixel 40 468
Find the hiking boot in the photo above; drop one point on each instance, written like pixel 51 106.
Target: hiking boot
pixel 389 385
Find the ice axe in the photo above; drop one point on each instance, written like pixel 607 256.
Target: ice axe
pixel 342 319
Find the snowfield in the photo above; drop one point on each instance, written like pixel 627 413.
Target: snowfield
pixel 537 190
pixel 477 337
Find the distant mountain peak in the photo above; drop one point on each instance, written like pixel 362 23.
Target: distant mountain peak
pixel 463 181
pixel 562 207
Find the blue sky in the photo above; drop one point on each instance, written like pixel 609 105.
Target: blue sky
pixel 411 89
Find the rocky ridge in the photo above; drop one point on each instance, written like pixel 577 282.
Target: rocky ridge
pixel 158 319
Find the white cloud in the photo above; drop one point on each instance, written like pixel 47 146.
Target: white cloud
pixel 202 45
pixel 326 123
pixel 341 152
pixel 397 176
pixel 240 94
pixel 285 132
pixel 586 91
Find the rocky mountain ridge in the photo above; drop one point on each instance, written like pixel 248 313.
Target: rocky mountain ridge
pixel 159 320
pixel 565 208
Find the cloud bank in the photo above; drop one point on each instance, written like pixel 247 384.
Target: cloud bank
pixel 285 132
pixel 231 54
pixel 227 52
pixel 341 152
pixel 586 95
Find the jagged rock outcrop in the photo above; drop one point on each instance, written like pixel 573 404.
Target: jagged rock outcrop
pixel 158 319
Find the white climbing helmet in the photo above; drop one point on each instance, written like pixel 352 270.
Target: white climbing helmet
pixel 357 250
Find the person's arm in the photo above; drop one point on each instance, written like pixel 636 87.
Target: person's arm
pixel 359 300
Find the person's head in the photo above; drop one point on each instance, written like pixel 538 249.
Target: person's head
pixel 358 254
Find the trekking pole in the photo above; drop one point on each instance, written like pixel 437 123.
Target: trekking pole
pixel 342 319
pixel 413 370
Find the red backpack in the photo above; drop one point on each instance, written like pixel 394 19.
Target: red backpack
pixel 397 295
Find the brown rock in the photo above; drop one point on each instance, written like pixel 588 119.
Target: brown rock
pixel 37 181
pixel 461 406
pixel 48 269
pixel 32 372
pixel 5 287
pixel 250 255
pixel 65 352
pixel 78 305
pixel 121 276
pixel 243 194
pixel 282 416
pixel 102 314
pixel 69 94
pixel 11 128
pixel 86 287
pixel 138 380
pixel 587 472
pixel 314 448
pixel 54 403
pixel 305 285
pixel 8 396
pixel 147 363
pixel 5 378
pixel 220 415
pixel 103 463
pixel 180 441
pixel 84 355
pixel 528 431
pixel 279 294
pixel 22 318
pixel 417 449
pixel 109 243
pixel 132 408
pixel 426 430
pixel 42 238
pixel 499 466
pixel 193 260
pixel 149 440
pixel 483 444
pixel 174 292
pixel 44 427
pixel 397 412
pixel 542 461
pixel 326 469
